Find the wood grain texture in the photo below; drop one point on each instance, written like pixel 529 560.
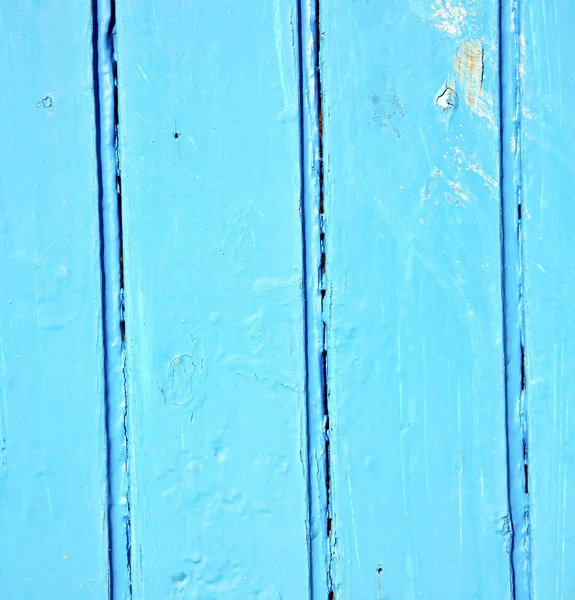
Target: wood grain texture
pixel 210 162
pixel 547 145
pixel 414 304
pixel 52 427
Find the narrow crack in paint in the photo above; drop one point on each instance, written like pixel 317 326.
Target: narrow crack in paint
pixel 114 60
pixel 323 286
pixel 318 526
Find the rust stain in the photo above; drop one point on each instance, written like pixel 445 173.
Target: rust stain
pixel 469 69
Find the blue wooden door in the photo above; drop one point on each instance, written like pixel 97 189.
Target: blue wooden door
pixel 286 300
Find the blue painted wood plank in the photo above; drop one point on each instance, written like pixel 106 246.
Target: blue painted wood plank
pixel 211 186
pixel 52 418
pixel 413 303
pixel 547 145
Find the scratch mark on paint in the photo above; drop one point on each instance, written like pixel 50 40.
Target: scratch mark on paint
pixel 279 50
pixel 424 398
pixel 46 250
pixel 522 54
pixel 352 511
pixel 3 405
pixel 460 475
pixel 484 108
pixel 182 436
pixel 193 142
pixel 142 71
pixel 469 69
pixel 425 146
pixel 540 267
pixel 472 163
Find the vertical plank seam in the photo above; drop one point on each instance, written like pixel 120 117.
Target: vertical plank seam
pixel 518 528
pixel 324 315
pixel 311 167
pixel 112 290
pixel 331 539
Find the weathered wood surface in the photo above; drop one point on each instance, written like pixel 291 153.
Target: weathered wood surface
pixel 286 299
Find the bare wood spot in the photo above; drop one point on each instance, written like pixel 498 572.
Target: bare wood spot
pixel 469 68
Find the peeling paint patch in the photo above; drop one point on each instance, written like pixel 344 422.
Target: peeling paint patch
pixel 469 69
pixel 446 97
pixel 387 108
pixel 466 82
pixel 459 197
pixel 449 17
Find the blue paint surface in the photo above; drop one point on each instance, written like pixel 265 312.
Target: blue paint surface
pixel 339 235
pixel 547 145
pixel 53 541
pixel 211 186
pixel 415 341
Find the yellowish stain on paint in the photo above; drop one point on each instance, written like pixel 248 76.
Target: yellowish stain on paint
pixel 469 70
